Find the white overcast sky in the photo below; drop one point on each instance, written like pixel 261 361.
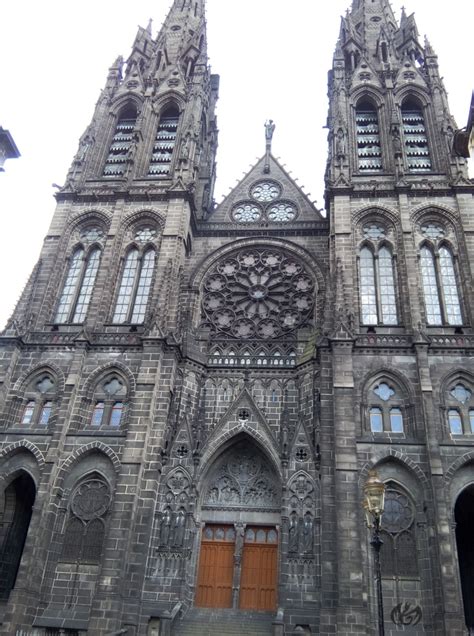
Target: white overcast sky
pixel 272 56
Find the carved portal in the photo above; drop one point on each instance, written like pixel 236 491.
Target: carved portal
pixel 243 479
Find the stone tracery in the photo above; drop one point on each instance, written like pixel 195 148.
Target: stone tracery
pixel 257 293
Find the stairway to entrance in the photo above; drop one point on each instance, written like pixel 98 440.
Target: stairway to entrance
pixel 223 622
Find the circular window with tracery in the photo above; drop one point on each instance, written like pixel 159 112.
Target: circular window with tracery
pixel 282 212
pixel 265 191
pixel 247 213
pixel 257 293
pixel 91 499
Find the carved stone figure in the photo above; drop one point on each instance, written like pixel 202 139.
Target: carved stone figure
pixel 269 130
pixel 165 527
pixel 340 144
pixel 307 538
pixel 179 529
pixel 293 533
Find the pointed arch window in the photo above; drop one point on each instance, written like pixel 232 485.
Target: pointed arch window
pixel 377 287
pixel 165 141
pixel 398 555
pixel 122 143
pixel 78 287
pixel 369 150
pixel 85 529
pixel 386 403
pixel 38 401
pixel 460 402
pixel 135 287
pixel 415 138
pixel 440 287
pixel 109 403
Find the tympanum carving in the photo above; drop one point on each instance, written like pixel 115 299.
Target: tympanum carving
pixel 243 479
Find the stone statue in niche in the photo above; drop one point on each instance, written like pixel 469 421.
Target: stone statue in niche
pixel 165 527
pixel 307 533
pixel 293 533
pixel 179 528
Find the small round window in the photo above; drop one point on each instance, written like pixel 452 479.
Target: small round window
pixel 247 213
pixel 282 212
pixel 265 191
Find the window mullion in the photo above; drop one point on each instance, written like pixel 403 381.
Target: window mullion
pixel 378 298
pixel 77 291
pixel 439 283
pixel 133 294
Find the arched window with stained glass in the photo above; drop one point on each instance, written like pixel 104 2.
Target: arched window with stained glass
pixel 378 298
pixel 135 286
pixel 78 286
pixel 440 286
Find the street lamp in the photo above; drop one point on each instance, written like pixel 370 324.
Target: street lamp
pixel 374 499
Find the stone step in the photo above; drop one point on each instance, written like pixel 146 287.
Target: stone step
pixel 202 622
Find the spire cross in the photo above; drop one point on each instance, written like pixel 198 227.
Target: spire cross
pixel 269 130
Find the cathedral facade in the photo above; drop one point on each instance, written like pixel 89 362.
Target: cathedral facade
pixel 192 396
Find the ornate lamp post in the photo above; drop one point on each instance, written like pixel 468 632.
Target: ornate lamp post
pixel 374 499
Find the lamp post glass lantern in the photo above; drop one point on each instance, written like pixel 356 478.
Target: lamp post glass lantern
pixel 374 501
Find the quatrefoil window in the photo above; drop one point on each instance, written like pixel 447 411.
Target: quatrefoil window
pixel 384 392
pixel 461 393
pixel 257 293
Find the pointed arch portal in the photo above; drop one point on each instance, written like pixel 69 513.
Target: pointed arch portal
pixel 241 515
pixel 463 513
pixel 15 519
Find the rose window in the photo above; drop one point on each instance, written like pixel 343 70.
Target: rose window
pixel 247 213
pixel 257 293
pixel 265 191
pixel 282 212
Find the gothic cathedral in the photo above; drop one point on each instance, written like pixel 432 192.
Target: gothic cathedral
pixel 192 396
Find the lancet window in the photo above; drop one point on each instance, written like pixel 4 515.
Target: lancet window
pixel 440 286
pixel 122 144
pixel 369 150
pixel 78 286
pixel 165 141
pixel 378 301
pixel 135 286
pixel 417 151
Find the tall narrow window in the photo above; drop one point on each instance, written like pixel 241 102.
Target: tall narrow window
pixel 415 138
pixel 449 287
pixel 369 151
pixel 455 422
pixel 377 288
pixel 28 412
pixel 398 555
pixel 77 290
pixel 165 140
pixel 121 145
pixel 368 297
pixel 376 421
pixel 439 275
pixel 135 287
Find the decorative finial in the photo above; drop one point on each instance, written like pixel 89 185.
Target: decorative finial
pixel 149 27
pixel 269 130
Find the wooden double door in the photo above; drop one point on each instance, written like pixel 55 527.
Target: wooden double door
pixel 238 570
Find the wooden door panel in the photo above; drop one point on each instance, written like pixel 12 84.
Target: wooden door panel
pixel 259 577
pixel 216 570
